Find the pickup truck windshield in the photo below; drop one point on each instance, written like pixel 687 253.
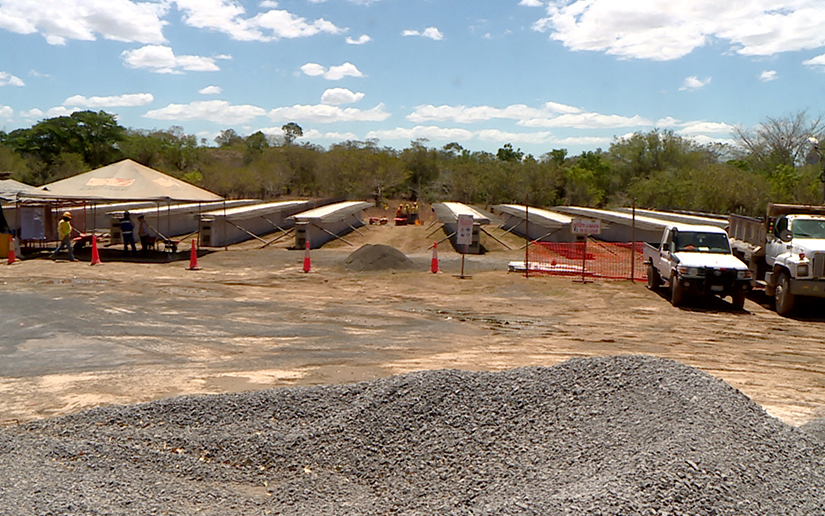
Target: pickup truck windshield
pixel 702 242
pixel 808 228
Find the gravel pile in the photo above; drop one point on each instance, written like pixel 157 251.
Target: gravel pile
pixel 379 257
pixel 627 435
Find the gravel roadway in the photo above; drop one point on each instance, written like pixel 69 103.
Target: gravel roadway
pixel 76 337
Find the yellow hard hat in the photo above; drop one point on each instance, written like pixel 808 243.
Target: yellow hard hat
pixel 67 215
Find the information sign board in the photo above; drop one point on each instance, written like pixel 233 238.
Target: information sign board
pixel 586 226
pixel 465 230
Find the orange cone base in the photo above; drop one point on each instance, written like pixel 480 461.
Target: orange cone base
pixel 95 253
pixel 193 258
pixel 307 265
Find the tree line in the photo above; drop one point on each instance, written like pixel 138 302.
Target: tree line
pixel 658 169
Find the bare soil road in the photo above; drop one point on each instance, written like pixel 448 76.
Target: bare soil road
pixel 74 336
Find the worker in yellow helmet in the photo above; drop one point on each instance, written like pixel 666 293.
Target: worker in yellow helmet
pixel 64 233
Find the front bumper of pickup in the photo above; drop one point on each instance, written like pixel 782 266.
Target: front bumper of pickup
pixel 715 286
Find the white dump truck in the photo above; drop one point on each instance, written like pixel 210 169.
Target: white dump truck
pixel 785 251
pixel 696 260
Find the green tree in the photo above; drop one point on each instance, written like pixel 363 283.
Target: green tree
pixel 292 131
pixel 228 138
pixel 507 153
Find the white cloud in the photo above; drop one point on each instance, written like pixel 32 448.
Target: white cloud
pixel 227 16
pixel 7 79
pixel 816 62
pixel 494 135
pixel 128 100
pixel 768 76
pixel 210 90
pixel 314 134
pixel 587 121
pixel 313 69
pixel 415 133
pixel 360 41
pixel 337 96
pixel 58 22
pixel 324 114
pixel 668 122
pixel 218 111
pixel 6 112
pixel 700 128
pixel 430 32
pixel 586 141
pixel 51 113
pixel 531 3
pixel 161 59
pixel 334 73
pixel 32 113
pixel 550 115
pixel 447 134
pixel 663 30
pixel 694 83
pixel 464 114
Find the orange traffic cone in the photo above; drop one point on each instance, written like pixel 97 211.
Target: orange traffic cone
pixel 193 258
pixel 95 253
pixel 12 257
pixel 434 264
pixel 307 266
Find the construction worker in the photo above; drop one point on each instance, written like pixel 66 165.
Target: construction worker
pixel 64 233
pixel 127 229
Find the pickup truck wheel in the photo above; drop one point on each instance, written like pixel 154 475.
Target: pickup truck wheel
pixel 677 291
pixel 784 299
pixel 738 299
pixel 653 279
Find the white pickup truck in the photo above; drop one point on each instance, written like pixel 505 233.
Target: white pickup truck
pixel 696 260
pixel 785 251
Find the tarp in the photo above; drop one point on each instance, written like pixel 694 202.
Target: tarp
pixel 122 181
pixel 9 188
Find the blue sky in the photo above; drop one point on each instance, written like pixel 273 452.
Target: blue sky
pixel 538 74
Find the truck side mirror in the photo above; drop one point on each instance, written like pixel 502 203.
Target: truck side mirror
pixel 785 235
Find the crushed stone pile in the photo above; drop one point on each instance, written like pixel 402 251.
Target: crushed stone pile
pixel 379 257
pixel 629 435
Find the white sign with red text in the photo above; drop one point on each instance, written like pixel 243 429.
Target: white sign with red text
pixel 586 226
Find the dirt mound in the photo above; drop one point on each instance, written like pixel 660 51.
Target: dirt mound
pixel 379 257
pixel 607 436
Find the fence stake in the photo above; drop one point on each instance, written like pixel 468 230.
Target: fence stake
pixel 633 244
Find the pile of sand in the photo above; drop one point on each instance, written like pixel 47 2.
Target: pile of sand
pixel 378 258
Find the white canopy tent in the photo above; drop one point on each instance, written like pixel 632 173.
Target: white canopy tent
pixel 123 181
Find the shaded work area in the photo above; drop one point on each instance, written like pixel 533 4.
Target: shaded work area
pixel 86 200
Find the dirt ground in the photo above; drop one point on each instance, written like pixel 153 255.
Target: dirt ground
pixel 76 336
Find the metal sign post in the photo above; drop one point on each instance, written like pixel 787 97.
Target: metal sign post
pixel 464 237
pixel 585 228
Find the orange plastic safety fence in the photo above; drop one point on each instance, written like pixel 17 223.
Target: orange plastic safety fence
pixel 604 260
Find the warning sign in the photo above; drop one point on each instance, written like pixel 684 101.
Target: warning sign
pixel 465 230
pixel 586 226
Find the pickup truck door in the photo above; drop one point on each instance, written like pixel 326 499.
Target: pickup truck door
pixel 775 246
pixel 664 264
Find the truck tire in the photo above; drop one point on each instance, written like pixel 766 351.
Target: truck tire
pixel 653 279
pixel 738 299
pixel 784 299
pixel 677 291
